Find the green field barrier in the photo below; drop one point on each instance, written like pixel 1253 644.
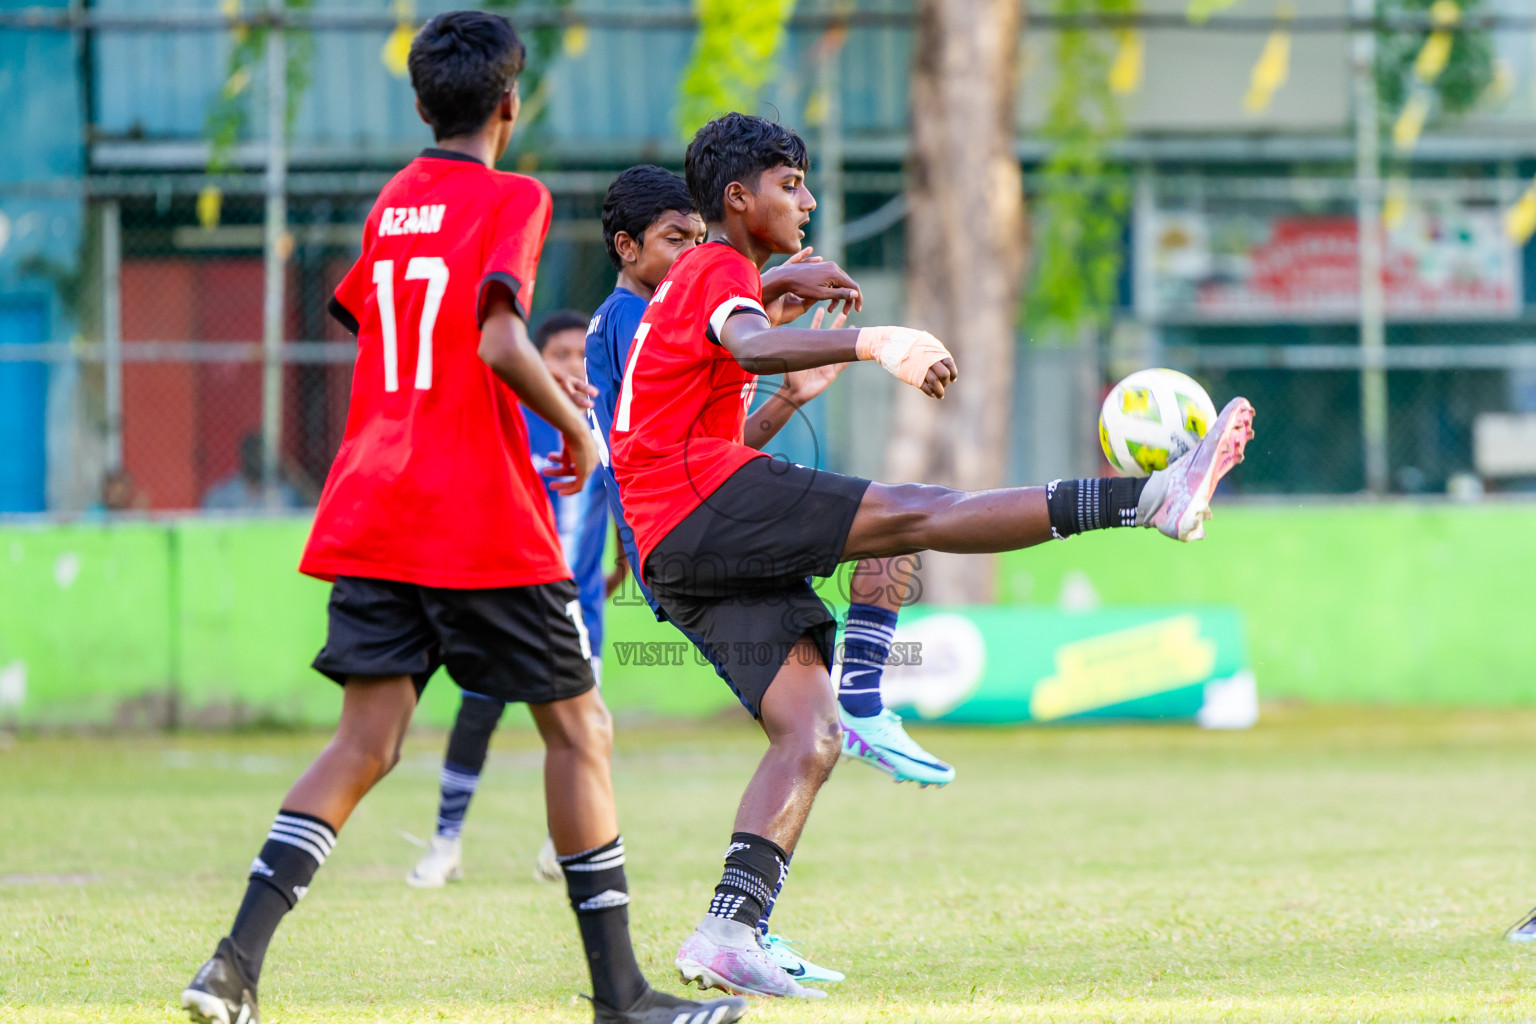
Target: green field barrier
pixel 1406 604
pixel 85 614
pixel 1382 604
pixel 208 623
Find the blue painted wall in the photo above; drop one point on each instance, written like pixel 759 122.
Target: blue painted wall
pixel 23 402
pixel 43 121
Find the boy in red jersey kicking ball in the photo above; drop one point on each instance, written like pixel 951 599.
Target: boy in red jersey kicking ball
pixel 727 537
pixel 436 532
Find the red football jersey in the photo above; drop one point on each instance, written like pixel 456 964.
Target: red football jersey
pixel 433 484
pixel 677 430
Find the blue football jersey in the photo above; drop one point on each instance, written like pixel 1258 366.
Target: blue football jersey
pixel 582 522
pixel 608 337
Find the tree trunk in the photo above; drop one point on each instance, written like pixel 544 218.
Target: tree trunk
pixel 965 260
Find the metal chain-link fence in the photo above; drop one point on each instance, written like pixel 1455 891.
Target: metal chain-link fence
pixel 157 402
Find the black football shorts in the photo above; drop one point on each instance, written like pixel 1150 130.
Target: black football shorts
pixel 512 643
pixel 733 573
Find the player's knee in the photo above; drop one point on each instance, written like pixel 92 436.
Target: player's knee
pixel 596 731
pixel 906 509
pixel 373 756
pixel 819 747
pixel 584 727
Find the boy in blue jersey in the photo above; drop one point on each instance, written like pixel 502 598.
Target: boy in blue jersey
pixel 649 220
pixel 581 520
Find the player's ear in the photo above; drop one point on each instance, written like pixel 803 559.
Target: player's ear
pixel 737 197
pixel 511 104
pixel 627 246
pixel 421 113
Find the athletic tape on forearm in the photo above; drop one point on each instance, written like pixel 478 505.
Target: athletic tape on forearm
pixel 905 353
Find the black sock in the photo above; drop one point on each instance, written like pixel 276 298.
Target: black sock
pixel 755 868
pixel 280 875
pixel 468 744
pixel 1095 504
pixel 599 894
pixel 470 740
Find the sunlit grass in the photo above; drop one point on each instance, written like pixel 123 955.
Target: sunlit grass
pixel 1329 865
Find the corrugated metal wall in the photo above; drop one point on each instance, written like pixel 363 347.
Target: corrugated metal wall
pixel 615 96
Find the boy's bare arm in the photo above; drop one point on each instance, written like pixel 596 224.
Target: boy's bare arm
pixel 916 357
pixel 799 387
pixel 505 348
pixel 767 420
pixel 765 350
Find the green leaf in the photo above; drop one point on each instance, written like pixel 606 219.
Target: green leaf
pixel 733 58
pixel 1079 213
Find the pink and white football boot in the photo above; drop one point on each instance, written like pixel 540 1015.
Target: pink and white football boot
pixel 1177 500
pixel 726 955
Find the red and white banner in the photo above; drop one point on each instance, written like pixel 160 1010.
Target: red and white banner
pixel 1441 261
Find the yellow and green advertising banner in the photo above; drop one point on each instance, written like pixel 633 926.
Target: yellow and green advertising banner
pixel 999 664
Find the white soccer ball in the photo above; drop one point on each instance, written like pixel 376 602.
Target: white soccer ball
pixel 1151 418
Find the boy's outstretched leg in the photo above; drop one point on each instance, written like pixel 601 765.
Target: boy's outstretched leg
pixel 896 519
pixel 583 823
pixel 799 714
pixel 468 745
pixel 872 733
pixel 366 745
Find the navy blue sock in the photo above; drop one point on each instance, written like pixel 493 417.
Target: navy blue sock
pixel 867 638
pixel 457 785
pixel 773 897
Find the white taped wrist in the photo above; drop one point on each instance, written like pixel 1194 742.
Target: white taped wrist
pixel 905 353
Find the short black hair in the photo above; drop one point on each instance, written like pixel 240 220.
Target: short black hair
pixel 737 147
pixel 637 199
pixel 461 64
pixel 559 320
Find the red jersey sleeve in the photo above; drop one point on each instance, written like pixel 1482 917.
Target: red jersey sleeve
pixel 515 242
pixel 351 295
pixel 729 287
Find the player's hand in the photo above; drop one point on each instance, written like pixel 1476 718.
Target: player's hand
pixel 570 467
pixel 940 375
pixel 577 390
pixel 615 579
pixel 801 386
pixel 792 288
pixel 912 356
pixel 784 309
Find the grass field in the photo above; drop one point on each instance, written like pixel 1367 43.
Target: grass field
pixel 1329 865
